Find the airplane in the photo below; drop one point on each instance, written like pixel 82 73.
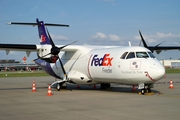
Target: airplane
pixel 87 64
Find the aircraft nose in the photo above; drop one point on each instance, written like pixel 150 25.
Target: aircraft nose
pixel 158 71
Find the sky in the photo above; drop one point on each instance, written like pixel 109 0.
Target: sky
pixel 93 22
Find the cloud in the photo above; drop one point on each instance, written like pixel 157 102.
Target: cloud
pixel 102 36
pixel 99 36
pixel 114 37
pixel 13 52
pixel 163 35
pixel 59 37
pixel 149 39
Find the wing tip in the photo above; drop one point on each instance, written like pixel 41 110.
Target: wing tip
pixel 8 23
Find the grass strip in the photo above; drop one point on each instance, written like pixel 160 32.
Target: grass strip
pixel 22 74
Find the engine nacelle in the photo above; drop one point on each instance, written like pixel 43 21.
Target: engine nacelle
pixel 44 50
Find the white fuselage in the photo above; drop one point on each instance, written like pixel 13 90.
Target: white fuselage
pixel 105 65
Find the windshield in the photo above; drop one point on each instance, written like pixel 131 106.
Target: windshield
pixel 142 55
pixel 130 55
pixel 151 55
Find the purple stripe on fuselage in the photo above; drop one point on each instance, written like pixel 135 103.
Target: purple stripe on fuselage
pixel 46 67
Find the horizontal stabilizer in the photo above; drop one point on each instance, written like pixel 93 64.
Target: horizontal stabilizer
pixel 19 47
pixel 36 24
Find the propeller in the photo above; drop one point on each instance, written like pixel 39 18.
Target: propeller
pixel 55 51
pixel 145 45
pixel 142 39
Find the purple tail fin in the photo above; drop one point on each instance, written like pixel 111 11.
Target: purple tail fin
pixel 44 39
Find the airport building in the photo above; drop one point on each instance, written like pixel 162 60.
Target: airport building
pixel 171 63
pixel 12 65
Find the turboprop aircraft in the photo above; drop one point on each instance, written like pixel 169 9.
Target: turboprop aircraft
pixel 85 64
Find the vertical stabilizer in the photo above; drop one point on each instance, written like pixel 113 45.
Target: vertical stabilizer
pixel 44 39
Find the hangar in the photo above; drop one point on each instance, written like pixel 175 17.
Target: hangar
pixel 171 63
pixel 12 65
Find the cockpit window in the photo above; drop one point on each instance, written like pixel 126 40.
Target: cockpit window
pixel 151 55
pixel 142 55
pixel 124 55
pixel 131 55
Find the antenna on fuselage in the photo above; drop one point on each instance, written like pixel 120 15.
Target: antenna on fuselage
pixel 129 43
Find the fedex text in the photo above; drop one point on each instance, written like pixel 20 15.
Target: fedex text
pixel 106 60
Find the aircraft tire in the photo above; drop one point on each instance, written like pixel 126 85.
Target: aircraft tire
pixel 105 86
pixel 63 85
pixel 142 91
pixel 149 90
pixel 58 87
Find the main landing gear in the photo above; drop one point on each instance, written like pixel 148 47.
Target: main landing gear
pixel 145 89
pixel 105 86
pixel 60 86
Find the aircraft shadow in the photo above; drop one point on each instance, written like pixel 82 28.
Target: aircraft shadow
pixel 22 88
pixel 112 89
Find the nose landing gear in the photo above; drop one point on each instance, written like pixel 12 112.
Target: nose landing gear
pixel 146 89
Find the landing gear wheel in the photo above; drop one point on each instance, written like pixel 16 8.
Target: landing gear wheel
pixel 105 86
pixel 142 91
pixel 149 90
pixel 58 87
pixel 64 86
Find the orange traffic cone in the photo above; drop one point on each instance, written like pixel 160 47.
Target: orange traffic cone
pixel 171 85
pixel 49 91
pixel 33 86
pixel 133 88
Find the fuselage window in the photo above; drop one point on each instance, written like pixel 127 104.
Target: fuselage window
pixel 131 55
pixel 124 55
pixel 151 55
pixel 142 55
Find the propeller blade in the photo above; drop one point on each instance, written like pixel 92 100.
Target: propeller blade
pixel 67 45
pixel 42 56
pixel 65 76
pixel 159 44
pixel 144 43
pixel 52 43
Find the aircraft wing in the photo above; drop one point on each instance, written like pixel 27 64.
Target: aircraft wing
pixel 28 48
pixel 158 49
pixel 18 47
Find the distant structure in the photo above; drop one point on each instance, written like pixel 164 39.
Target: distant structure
pixel 12 65
pixel 24 59
pixel 171 63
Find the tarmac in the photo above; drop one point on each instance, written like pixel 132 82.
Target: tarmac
pixel 18 102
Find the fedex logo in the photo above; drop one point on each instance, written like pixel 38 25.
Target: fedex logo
pixel 106 60
pixel 43 38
